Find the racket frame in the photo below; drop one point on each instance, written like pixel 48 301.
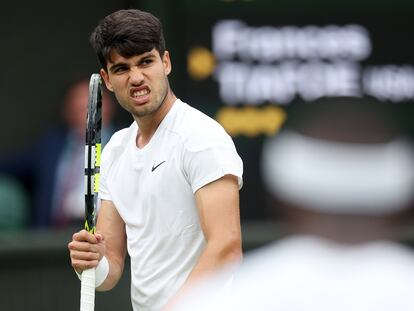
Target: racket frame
pixel 92 173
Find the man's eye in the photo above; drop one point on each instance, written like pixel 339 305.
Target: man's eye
pixel 146 62
pixel 119 69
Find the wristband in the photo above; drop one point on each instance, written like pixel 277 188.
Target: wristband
pixel 101 272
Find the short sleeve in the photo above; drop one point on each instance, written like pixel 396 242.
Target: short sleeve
pixel 109 154
pixel 205 164
pixel 103 183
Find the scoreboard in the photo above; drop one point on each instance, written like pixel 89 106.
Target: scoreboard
pixel 247 62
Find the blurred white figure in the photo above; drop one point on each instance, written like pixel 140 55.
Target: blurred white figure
pixel 343 188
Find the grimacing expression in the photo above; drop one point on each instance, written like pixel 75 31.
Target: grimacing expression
pixel 139 82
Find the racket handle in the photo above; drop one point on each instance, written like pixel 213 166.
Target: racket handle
pixel 87 299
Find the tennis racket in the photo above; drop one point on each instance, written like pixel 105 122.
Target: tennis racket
pixel 92 164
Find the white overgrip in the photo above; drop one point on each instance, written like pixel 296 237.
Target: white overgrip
pixel 87 299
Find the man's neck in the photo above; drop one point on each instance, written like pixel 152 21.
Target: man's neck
pixel 148 125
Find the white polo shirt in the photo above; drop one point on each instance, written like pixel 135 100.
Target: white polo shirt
pixel 153 190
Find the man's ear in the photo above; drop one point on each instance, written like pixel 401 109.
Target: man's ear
pixel 105 77
pixel 167 62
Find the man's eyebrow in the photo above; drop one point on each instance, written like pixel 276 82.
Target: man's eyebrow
pixel 147 55
pixel 144 56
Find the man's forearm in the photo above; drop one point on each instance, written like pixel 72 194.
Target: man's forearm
pixel 116 268
pixel 215 256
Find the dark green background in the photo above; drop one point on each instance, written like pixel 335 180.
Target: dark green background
pixel 45 43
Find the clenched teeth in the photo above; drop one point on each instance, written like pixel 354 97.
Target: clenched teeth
pixel 140 93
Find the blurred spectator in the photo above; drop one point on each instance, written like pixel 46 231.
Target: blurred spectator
pixel 52 167
pixel 343 177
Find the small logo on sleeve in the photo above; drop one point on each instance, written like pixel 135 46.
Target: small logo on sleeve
pixel 154 167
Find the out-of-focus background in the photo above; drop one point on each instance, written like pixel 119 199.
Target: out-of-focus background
pixel 253 65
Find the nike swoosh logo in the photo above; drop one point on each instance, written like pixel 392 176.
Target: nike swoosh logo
pixel 154 167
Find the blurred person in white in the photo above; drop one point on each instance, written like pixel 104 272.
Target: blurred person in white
pixel 342 177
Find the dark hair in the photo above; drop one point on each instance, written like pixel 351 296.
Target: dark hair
pixel 129 33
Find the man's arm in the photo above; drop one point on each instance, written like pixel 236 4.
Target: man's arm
pixel 112 227
pixel 86 249
pixel 218 205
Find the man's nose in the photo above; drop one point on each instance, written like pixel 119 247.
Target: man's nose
pixel 135 76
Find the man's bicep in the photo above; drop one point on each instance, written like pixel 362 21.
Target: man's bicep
pixel 218 205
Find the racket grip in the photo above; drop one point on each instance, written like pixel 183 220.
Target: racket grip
pixel 87 299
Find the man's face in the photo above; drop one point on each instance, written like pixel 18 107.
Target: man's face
pixel 140 82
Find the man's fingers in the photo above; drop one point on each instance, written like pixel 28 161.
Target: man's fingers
pixel 85 236
pixel 99 237
pixel 83 246
pixel 85 250
pixel 84 256
pixel 83 260
pixel 81 265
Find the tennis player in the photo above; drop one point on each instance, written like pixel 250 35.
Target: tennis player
pixel 170 183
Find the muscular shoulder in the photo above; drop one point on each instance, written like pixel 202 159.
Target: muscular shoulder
pixel 197 130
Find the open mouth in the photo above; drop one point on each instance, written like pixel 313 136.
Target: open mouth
pixel 139 93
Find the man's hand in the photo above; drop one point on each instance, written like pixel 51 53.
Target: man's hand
pixel 86 250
